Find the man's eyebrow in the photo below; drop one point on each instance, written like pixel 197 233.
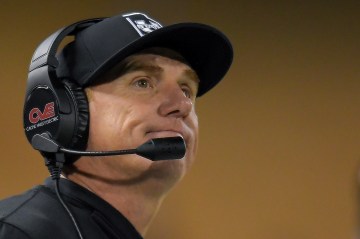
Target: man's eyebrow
pixel 191 74
pixel 132 66
pixel 141 66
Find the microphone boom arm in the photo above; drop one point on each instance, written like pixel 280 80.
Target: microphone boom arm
pixel 154 149
pixel 98 153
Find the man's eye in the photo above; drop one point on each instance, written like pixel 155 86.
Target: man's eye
pixel 187 92
pixel 143 83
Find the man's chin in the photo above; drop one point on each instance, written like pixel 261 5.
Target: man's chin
pixel 170 171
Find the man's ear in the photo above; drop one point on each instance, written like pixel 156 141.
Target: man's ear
pixel 88 93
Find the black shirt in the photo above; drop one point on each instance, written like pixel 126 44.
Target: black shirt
pixel 38 214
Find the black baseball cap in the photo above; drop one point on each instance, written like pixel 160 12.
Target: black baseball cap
pixel 101 46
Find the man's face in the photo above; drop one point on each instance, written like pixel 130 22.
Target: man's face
pixel 154 98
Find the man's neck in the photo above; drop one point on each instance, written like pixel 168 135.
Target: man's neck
pixel 135 201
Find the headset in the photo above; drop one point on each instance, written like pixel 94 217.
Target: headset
pixel 56 106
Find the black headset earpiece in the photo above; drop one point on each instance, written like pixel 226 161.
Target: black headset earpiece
pixel 56 106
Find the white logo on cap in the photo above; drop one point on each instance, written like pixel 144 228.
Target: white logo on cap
pixel 142 23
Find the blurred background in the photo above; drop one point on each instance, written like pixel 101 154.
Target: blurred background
pixel 279 146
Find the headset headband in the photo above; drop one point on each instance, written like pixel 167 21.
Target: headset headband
pixel 46 51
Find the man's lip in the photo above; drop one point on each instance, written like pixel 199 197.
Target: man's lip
pixel 164 133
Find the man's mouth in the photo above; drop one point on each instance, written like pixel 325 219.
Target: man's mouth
pixel 163 134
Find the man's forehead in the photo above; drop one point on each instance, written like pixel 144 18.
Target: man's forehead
pixel 145 60
pixel 153 63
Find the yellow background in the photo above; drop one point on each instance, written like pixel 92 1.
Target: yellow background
pixel 279 147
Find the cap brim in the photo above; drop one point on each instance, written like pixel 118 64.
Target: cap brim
pixel 207 50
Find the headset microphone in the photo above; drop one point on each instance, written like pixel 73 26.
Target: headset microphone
pixel 154 149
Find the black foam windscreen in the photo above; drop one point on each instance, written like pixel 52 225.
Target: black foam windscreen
pixel 162 148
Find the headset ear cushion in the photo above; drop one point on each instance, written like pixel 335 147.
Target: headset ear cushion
pixel 81 108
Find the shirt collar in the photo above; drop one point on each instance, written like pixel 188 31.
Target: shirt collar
pixel 80 196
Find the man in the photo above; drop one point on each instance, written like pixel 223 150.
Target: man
pixel 141 81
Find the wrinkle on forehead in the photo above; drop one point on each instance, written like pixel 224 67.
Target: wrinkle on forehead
pixel 133 63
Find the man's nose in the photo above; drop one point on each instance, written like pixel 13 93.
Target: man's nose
pixel 175 103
